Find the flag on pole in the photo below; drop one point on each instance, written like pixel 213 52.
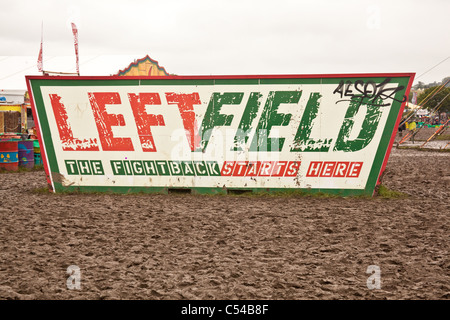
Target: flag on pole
pixel 39 61
pixel 414 98
pixel 75 39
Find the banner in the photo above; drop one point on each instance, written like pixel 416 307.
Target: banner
pixel 414 98
pixel 75 40
pixel 327 133
pixel 39 61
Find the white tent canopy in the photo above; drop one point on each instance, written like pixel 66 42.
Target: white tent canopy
pixel 13 69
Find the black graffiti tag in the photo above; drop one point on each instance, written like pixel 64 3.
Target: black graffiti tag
pixel 361 90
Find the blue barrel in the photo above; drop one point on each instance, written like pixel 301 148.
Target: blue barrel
pixel 37 148
pixel 37 159
pixel 26 154
pixel 9 155
pixel 37 153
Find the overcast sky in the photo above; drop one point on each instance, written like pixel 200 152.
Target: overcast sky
pixel 239 37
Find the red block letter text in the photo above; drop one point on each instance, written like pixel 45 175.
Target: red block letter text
pixel 145 121
pixel 186 106
pixel 69 143
pixel 105 121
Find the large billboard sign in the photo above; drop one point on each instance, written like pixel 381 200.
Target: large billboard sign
pixel 327 133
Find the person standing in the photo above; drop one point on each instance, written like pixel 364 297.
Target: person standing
pixel 412 129
pixel 401 128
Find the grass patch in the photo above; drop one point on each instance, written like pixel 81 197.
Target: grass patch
pixel 23 169
pixel 77 191
pixel 37 168
pixel 418 148
pixel 43 190
pixel 179 191
pixel 443 137
pixel 382 192
pixel 283 193
pixel 387 193
pixel 240 192
pixel 303 193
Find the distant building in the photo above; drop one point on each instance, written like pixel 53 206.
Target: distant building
pixel 12 97
pixel 15 106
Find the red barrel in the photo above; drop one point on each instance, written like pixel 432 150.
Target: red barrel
pixel 9 155
pixel 26 154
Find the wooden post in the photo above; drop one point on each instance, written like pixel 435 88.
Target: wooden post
pixel 23 118
pixel 2 122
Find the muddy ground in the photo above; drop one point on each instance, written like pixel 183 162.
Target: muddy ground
pixel 181 246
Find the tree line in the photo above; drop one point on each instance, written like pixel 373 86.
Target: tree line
pixel 440 99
